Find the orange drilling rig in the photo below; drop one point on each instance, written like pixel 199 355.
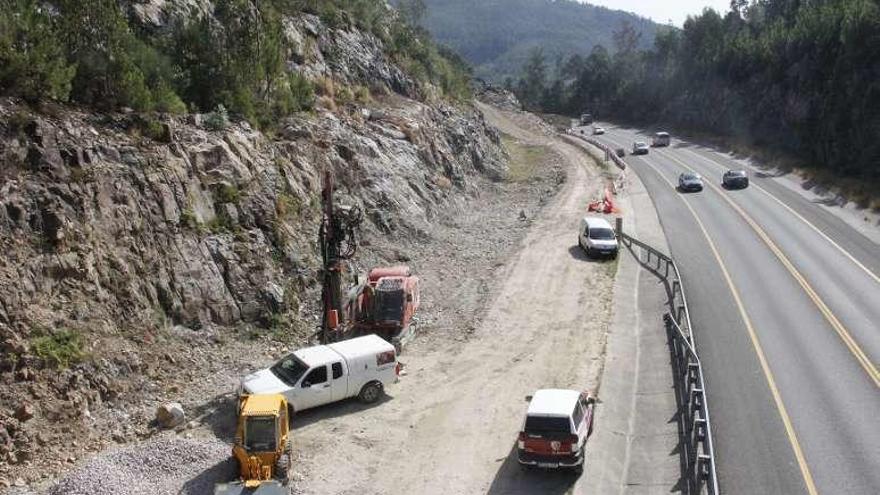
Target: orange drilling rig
pixel 382 304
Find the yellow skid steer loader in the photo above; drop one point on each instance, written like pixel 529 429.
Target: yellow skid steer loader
pixel 262 447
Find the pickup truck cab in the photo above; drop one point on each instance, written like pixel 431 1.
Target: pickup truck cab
pixel 555 430
pixel 318 375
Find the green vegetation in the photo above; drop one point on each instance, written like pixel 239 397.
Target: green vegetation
pixel 228 193
pixel 218 119
pixel 61 348
pixel 497 36
pixel 235 59
pixel 525 160
pixel 798 77
pixel 188 218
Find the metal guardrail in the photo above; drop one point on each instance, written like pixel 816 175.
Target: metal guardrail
pixel 690 389
pixel 609 152
pixel 695 428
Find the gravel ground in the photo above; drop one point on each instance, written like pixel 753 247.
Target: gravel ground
pixel 163 466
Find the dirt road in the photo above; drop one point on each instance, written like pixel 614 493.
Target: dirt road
pixel 449 426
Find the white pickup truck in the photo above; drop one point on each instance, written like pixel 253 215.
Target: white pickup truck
pixel 322 374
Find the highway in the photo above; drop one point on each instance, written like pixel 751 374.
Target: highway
pixel 785 302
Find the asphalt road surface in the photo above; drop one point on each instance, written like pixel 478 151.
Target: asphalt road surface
pixel 785 301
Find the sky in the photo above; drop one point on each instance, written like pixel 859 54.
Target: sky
pixel 662 11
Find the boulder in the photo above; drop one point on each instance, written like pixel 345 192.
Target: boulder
pixel 170 415
pixel 24 412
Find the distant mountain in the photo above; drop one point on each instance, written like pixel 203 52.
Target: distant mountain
pixel 496 36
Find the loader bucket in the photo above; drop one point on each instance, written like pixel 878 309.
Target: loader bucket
pixel 266 488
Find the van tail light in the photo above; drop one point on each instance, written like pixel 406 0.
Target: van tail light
pixel 521 441
pixel 573 443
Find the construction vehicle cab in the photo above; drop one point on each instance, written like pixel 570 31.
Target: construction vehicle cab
pixel 385 303
pixel 262 447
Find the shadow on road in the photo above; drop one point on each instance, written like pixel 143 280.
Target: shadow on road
pixel 334 410
pixel 219 414
pixel 661 270
pixel 685 191
pixel 222 472
pixel 511 479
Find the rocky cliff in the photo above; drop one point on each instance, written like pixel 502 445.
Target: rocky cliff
pixel 129 242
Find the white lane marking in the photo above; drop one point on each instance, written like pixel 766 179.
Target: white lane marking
pixel 756 344
pixel 800 217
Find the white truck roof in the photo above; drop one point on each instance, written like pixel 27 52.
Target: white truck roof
pixel 553 402
pixel 596 222
pixel 317 355
pixel 368 345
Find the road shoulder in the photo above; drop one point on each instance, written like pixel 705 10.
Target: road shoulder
pixel 634 448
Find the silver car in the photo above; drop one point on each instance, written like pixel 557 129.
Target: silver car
pixel 690 181
pixel 640 148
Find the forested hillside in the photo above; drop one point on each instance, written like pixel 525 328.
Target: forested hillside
pixel 803 77
pixel 497 36
pixel 230 53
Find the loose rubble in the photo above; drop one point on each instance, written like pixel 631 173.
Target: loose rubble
pixel 166 466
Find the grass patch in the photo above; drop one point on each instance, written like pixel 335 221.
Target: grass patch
pixel 59 349
pixel 525 160
pixel 228 193
pixel 188 218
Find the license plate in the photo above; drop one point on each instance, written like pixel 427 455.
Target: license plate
pixel 547 465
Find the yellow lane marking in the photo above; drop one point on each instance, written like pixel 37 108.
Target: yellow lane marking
pixel 844 334
pixel 756 343
pixel 801 218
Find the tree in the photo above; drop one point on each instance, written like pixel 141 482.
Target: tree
pixel 412 11
pixel 32 62
pixel 531 86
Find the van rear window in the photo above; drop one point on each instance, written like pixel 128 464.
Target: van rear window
pixel 542 425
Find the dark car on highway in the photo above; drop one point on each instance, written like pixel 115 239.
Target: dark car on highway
pixel 735 179
pixel 689 181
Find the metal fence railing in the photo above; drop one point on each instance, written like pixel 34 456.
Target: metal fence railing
pixel 610 153
pixel 695 428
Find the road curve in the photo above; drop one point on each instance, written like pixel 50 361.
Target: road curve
pixel 809 292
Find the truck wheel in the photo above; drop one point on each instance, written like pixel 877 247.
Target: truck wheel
pixel 370 393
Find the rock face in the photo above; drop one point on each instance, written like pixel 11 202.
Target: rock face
pixel 139 253
pixel 496 96
pixel 213 228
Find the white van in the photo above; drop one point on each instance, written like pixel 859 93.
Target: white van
pixel 322 374
pixel 596 237
pixel 660 139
